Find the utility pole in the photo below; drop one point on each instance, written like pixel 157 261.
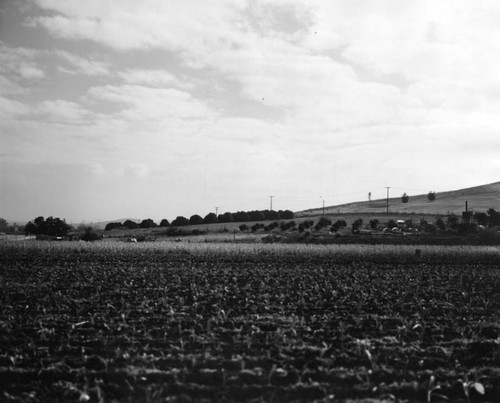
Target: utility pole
pixel 271 206
pixel 388 187
pixel 323 204
pixel 216 211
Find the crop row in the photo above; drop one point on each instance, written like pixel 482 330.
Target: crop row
pixel 170 251
pixel 149 324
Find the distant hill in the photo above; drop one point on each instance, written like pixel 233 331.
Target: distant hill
pixel 479 198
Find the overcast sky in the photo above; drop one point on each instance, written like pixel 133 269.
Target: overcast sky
pixel 159 108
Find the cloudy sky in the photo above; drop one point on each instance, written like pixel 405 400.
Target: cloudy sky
pixel 158 108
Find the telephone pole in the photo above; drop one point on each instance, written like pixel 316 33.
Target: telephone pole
pixel 387 187
pixel 216 211
pixel 271 206
pixel 323 204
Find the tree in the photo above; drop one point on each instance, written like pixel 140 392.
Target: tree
pixel 323 222
pixel 147 223
pixel 256 215
pixel 338 225
pixel 374 223
pixel 180 221
pixel 3 225
pixel 391 224
pixel 481 218
pixel 452 220
pixel 405 197
pixel 51 226
pixel 195 220
pixel 286 215
pixel 210 218
pixel 164 223
pixel 356 225
pixel 241 216
pixel 431 196
pixel 440 224
pixel 226 217
pixel 130 224
pixel 493 217
pixel 112 225
pixel 89 235
pixel 270 215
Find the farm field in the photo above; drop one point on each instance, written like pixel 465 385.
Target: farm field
pixel 248 322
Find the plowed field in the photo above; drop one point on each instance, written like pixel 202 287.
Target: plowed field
pixel 154 323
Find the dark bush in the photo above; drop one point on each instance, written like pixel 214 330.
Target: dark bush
pixel 241 216
pixel 308 223
pixel 210 218
pixel 287 225
pixel 225 218
pixel 130 224
pixel 147 223
pixel 257 227
pixel 481 218
pixel 356 225
pixel 391 224
pixel 113 225
pixel 180 221
pixel 51 226
pixel 89 235
pixel 338 225
pixel 195 220
pixel 322 223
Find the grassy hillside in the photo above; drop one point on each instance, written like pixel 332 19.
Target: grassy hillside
pixel 480 198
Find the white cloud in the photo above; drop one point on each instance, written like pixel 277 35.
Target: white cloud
pixel 61 111
pixel 137 170
pixel 145 103
pixel 18 63
pixel 10 109
pixel 83 65
pixel 10 87
pixel 95 169
pixel 152 78
pixel 29 71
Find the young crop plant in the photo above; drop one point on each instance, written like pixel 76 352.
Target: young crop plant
pixel 471 385
pixel 432 390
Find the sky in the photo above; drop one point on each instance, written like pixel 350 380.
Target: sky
pixel 159 108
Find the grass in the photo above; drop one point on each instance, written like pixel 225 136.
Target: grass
pixel 480 198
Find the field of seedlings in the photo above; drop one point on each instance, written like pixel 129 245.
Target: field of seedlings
pixel 178 322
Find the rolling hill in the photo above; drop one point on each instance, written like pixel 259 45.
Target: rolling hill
pixel 479 198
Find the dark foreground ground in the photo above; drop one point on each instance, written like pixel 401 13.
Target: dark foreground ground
pixel 91 324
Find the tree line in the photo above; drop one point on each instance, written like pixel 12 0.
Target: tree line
pixel 210 218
